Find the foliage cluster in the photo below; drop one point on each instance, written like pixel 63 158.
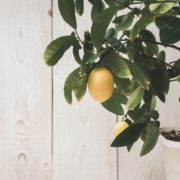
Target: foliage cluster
pixel 129 49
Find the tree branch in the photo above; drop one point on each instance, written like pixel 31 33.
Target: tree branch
pixel 146 2
pixel 159 43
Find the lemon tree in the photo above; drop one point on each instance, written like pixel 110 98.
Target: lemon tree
pixel 121 61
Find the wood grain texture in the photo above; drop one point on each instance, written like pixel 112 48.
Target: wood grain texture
pixel 25 94
pixel 83 131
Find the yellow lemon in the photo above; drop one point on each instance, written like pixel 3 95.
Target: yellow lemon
pixel 120 127
pixel 101 84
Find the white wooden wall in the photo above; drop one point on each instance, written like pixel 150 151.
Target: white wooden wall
pixel 41 136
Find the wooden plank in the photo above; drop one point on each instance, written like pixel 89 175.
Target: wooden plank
pixel 26 91
pixel 83 131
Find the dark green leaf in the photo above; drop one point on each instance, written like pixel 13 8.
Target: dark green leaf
pixel 138 74
pixel 140 24
pixel 124 22
pixel 110 33
pixel 67 10
pixel 98 6
pixel 160 81
pixel 161 56
pixel 154 114
pixel 117 65
pixel 131 49
pixel 79 4
pixel 176 10
pixel 135 98
pixel 177 64
pixel 75 83
pixel 152 134
pixel 93 58
pixel 129 147
pixel 124 85
pixel 151 49
pixel 147 35
pixel 100 25
pixel 76 55
pixel 76 48
pixel 114 103
pixel 56 49
pixel 129 135
pixel 169 27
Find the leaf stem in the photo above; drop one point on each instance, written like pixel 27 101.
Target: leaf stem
pixel 78 37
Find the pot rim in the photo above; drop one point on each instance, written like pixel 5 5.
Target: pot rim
pixel 166 142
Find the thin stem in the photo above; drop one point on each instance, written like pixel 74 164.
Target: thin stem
pixel 172 62
pixel 165 63
pixel 156 42
pixel 172 80
pixel 152 2
pixel 159 43
pixel 78 37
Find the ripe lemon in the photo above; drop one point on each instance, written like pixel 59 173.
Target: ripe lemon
pixel 120 127
pixel 101 84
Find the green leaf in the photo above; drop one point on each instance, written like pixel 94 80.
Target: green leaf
pixel 131 49
pixel 161 56
pixel 129 135
pixel 124 22
pixel 169 27
pixel 154 114
pixel 56 49
pixel 138 74
pixel 76 55
pixel 110 2
pixel 147 35
pixel 94 58
pixel 114 103
pixel 151 49
pixel 76 48
pixel 160 81
pixel 100 25
pixel 160 8
pixel 151 137
pixel 178 79
pixel 123 84
pixel 80 89
pixel 98 6
pixel 67 10
pixel 79 4
pixel 75 83
pixel 152 103
pixel 110 33
pixel 117 65
pixel 135 98
pixel 177 64
pixel 139 25
pixel 129 147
